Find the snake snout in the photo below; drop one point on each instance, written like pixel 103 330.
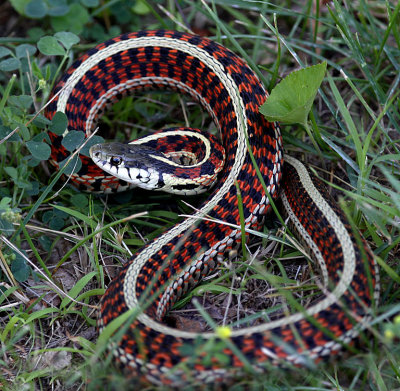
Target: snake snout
pixel 95 151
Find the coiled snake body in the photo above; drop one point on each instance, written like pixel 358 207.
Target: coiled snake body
pixel 167 267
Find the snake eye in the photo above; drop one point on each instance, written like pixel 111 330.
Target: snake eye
pixel 115 160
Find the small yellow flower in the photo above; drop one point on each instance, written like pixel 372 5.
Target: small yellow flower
pixel 389 334
pixel 223 332
pixel 397 319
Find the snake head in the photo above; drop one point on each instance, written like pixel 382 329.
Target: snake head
pixel 173 171
pixel 136 164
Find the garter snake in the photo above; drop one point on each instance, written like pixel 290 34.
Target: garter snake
pixel 178 259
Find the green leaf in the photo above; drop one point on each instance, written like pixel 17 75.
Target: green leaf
pixel 56 223
pixel 34 190
pixel 41 121
pixel 58 8
pixel 59 123
pixel 67 39
pixel 141 8
pixel 79 201
pixel 45 242
pixel 23 131
pixel 73 21
pixel 5 202
pixel 5 131
pixel 12 172
pixel 19 5
pixel 6 227
pixel 72 140
pixel 37 71
pixel 291 100
pixel 36 9
pixel 90 3
pixel 50 46
pixel 60 213
pixel 25 50
pixel 21 101
pixel 20 269
pixel 4 52
pixel 35 33
pixel 47 216
pixel 39 150
pixel 11 64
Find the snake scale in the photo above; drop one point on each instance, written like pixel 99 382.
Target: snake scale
pixel 167 267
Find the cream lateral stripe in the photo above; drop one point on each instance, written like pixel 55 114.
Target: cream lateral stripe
pixel 331 297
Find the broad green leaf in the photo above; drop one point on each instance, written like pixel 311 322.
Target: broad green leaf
pixel 39 150
pixel 59 123
pixel 6 227
pixel 45 242
pixel 56 223
pixel 47 216
pixel 35 33
pixel 67 39
pixel 21 101
pixel 50 46
pixel 60 213
pixel 5 202
pixel 25 50
pixel 73 21
pixel 73 140
pixel 36 9
pixel 23 131
pixel 10 64
pixel 290 101
pixel 41 121
pixel 19 268
pixel 58 8
pixel 34 189
pixel 80 200
pixel 4 52
pixel 141 8
pixel 12 172
pixel 5 131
